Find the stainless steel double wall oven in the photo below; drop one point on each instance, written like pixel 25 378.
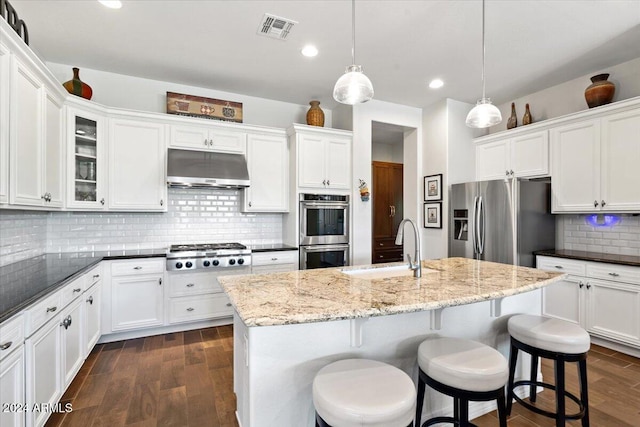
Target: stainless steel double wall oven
pixel 324 231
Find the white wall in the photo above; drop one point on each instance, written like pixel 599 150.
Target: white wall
pixel 384 112
pixel 448 150
pixel 381 152
pixel 135 93
pixel 568 97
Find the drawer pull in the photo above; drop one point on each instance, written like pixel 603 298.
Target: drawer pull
pixel 95 276
pixel 274 259
pixel 6 345
pixel 228 304
pixel 90 300
pixel 190 309
pixel 559 266
pixel 190 285
pixel 51 309
pixel 614 274
pixel 137 267
pixel 77 290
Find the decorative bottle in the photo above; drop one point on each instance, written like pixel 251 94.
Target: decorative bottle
pixel 315 115
pixel 77 87
pixel 513 120
pixel 526 119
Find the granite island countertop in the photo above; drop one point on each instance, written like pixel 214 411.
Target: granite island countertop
pixel 328 294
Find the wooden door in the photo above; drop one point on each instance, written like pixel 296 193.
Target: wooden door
pixel 387 211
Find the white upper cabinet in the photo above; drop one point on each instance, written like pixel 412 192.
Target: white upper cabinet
pixel 268 162
pixel 595 164
pixel 35 141
pixel 86 159
pixel 525 155
pixel 323 158
pixel 620 162
pixel 137 157
pixel 5 66
pixel 208 138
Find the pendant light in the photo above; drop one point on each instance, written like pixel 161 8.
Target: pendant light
pixel 484 114
pixel 353 87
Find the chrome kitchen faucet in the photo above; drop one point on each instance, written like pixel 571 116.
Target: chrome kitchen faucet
pixel 416 266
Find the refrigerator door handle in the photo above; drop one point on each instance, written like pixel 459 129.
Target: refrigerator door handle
pixel 480 225
pixel 474 235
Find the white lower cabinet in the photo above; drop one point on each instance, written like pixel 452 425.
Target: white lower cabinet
pixel 12 372
pixel 91 304
pixel 137 294
pixel 602 298
pixel 72 341
pixel 196 296
pixel 274 262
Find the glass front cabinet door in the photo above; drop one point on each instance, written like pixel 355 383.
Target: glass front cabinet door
pixel 86 160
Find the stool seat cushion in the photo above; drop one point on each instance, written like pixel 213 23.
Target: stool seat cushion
pixel 362 392
pixel 463 364
pixel 549 334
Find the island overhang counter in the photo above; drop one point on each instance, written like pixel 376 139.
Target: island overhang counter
pixel 287 326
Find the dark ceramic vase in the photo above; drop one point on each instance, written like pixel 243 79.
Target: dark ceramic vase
pixel 315 115
pixel 77 87
pixel 513 119
pixel 600 91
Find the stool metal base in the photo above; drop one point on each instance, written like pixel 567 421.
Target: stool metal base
pixel 561 393
pixel 322 423
pixel 461 400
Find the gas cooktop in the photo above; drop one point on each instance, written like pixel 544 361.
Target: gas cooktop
pixel 208 256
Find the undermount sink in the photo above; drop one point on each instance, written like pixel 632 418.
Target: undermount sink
pixel 384 272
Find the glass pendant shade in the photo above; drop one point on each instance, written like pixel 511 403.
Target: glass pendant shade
pixel 353 87
pixel 483 115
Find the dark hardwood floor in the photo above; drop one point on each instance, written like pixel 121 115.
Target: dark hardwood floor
pixel 186 379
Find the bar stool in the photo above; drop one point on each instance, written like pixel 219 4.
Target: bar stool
pixel 362 392
pixel 559 341
pixel 465 370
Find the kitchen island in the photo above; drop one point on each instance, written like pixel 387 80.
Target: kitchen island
pixel 287 326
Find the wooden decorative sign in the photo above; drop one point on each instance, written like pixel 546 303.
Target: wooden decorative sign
pixel 199 106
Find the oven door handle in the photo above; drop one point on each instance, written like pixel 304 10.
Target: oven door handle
pixel 338 205
pixel 324 248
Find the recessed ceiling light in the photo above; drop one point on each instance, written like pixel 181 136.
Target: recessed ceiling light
pixel 111 4
pixel 436 84
pixel 310 51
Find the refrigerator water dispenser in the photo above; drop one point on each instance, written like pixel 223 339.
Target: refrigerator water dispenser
pixel 460 224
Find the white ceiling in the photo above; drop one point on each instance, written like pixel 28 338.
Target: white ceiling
pixel 402 45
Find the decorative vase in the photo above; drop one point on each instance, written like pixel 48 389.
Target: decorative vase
pixel 513 120
pixel 77 87
pixel 600 91
pixel 315 115
pixel 526 119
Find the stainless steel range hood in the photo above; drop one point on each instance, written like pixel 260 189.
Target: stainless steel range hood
pixel 188 168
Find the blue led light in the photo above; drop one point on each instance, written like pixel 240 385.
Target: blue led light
pixel 600 220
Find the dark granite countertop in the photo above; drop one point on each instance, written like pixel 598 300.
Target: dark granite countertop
pixel 631 260
pixel 274 247
pixel 25 282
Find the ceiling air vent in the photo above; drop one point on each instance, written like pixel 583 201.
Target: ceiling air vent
pixel 275 26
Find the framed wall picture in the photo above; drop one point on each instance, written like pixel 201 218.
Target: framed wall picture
pixel 433 188
pixel 433 215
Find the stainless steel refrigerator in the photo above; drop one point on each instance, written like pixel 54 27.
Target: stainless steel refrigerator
pixel 503 221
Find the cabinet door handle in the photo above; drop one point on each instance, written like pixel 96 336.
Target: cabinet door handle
pixel 249 204
pixel 90 300
pixel 102 201
pixel 595 203
pixel 6 345
pixel 602 203
pixel 160 282
pixel 559 266
pixel 614 274
pixel 581 285
pixel 390 211
pixel 506 173
pixel 51 309
pixel 190 285
pixel 77 290
pixel 161 202
pixel 380 244
pixel 137 267
pixel 588 286
pixel 190 309
pixel 66 322
pixel 324 182
pixel 511 172
pixel 228 304
pixel 328 183
pixel 95 276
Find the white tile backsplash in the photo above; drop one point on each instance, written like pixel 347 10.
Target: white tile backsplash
pixel 23 234
pixel 193 216
pixel 621 238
